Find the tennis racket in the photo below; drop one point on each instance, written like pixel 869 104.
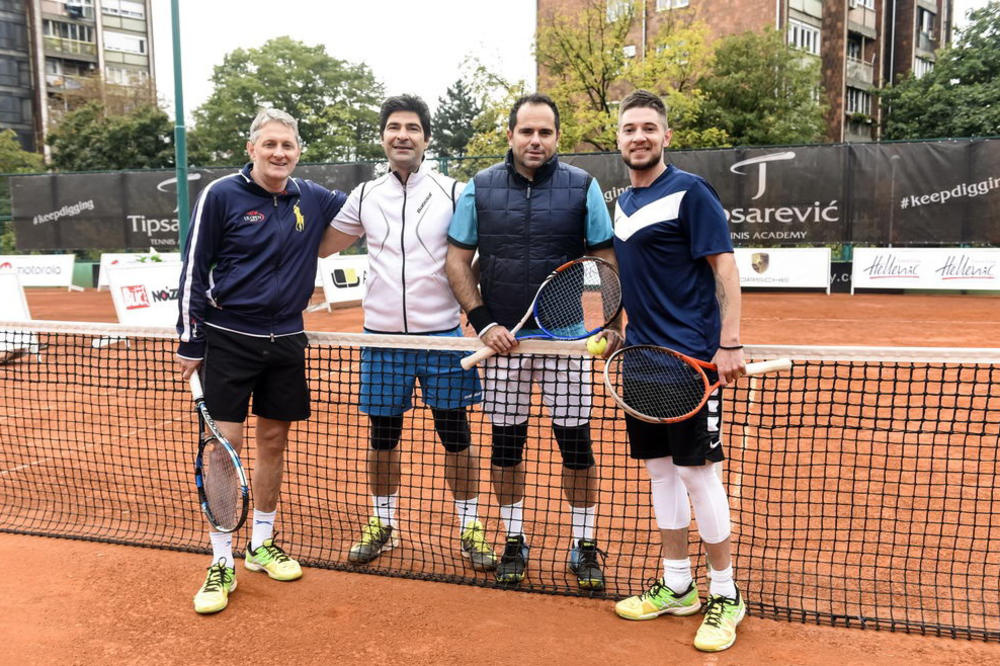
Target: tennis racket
pixel 218 473
pixel 660 385
pixel 576 300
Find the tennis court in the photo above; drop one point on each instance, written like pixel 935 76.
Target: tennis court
pixel 355 618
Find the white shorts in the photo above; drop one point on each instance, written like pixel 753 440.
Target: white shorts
pixel 565 384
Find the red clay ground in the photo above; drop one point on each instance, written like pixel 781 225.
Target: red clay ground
pixel 82 603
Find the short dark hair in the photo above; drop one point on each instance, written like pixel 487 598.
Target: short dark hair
pixel 405 103
pixel 643 99
pixel 533 98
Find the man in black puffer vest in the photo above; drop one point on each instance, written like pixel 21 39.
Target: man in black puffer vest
pixel 527 216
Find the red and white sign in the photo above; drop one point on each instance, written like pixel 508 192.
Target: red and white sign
pixel 145 294
pixel 963 268
pixel 784 267
pixel 41 270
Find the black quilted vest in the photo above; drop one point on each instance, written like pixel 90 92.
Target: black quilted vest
pixel 526 230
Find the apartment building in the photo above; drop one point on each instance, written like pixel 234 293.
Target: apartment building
pixel 55 55
pixel 862 45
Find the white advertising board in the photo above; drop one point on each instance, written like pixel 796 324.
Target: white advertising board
pixel 344 277
pixel 784 267
pixel 145 294
pixel 109 259
pixel 14 307
pixel 965 268
pixel 41 270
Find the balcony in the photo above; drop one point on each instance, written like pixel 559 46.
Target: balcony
pixel 860 74
pixel 861 20
pixel 926 43
pixel 71 48
pixel 64 82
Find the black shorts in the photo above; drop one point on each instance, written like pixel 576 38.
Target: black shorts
pixel 690 442
pixel 237 366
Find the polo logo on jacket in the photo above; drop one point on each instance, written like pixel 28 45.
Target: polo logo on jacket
pixel 253 216
pixel 300 221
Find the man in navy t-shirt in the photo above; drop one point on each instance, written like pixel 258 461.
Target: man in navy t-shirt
pixel 681 290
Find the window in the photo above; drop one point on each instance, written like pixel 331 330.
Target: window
pixel 803 36
pixel 127 8
pixel 74 31
pixel 664 5
pixel 869 4
pixel 854 48
pixel 925 22
pixel 119 41
pixel 80 9
pixel 123 76
pixel 13 36
pixel 616 9
pixel 629 51
pixel 922 66
pixel 859 101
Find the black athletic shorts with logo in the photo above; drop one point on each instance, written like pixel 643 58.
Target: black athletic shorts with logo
pixel 690 442
pixel 237 366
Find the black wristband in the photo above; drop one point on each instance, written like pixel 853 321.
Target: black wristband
pixel 731 348
pixel 480 318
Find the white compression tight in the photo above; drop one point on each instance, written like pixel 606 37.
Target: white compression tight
pixel 672 484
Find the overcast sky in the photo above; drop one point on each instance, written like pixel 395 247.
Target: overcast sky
pixel 414 46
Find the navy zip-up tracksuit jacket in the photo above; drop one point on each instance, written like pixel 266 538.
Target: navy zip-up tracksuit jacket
pixel 250 258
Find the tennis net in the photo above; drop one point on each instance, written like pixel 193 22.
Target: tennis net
pixel 862 483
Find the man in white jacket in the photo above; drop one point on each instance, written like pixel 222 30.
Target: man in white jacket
pixel 405 216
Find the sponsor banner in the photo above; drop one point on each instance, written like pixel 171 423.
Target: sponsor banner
pixel 781 267
pixel 126 209
pixel 344 277
pixel 926 268
pixel 145 294
pixel 13 305
pixel 40 270
pixel 109 259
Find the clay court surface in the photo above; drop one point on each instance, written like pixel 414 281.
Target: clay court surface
pixel 77 602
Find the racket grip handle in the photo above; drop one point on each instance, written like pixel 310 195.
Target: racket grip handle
pixel 195 382
pixel 475 358
pixel 763 367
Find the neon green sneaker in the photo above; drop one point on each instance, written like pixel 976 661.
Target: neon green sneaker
pixel 477 549
pixel 376 538
pixel 718 629
pixel 659 600
pixel 272 559
pixel 214 593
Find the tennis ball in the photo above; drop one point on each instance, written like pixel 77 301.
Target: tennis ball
pixel 596 344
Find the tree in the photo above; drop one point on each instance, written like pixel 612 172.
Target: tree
pixel 335 102
pixel 91 138
pixel 453 120
pixel 587 71
pixel 13 159
pixel 961 96
pixel 762 92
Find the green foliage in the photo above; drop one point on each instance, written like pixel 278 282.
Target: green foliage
pixel 762 92
pixel 13 159
pixel 495 96
pixel 91 138
pixel 453 120
pixel 960 97
pixel 335 102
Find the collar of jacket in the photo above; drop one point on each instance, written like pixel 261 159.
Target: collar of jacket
pixel 542 173
pixel 291 187
pixel 415 177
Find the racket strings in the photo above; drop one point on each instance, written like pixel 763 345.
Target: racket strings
pixel 578 300
pixel 657 384
pixel 222 484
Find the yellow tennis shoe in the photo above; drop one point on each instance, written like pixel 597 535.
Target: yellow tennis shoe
pixel 718 629
pixel 659 600
pixel 272 559
pixel 214 593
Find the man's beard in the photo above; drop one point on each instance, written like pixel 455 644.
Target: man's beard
pixel 653 160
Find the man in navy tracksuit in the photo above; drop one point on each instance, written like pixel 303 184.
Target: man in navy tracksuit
pixel 249 270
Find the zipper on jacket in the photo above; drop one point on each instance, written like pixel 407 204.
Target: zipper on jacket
pixel 402 252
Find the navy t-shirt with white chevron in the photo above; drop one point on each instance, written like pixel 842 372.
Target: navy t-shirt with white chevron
pixel 662 235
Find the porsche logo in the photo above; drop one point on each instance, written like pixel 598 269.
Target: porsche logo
pixel 760 261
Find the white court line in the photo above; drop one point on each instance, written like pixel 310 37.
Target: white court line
pixel 24 466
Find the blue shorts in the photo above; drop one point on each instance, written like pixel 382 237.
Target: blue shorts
pixel 388 377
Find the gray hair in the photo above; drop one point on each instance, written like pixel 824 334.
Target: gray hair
pixel 273 116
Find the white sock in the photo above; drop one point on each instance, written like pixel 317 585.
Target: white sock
pixel 583 522
pixel 467 511
pixel 677 574
pixel 263 528
pixel 722 582
pixel 512 516
pixel 222 547
pixel 385 508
